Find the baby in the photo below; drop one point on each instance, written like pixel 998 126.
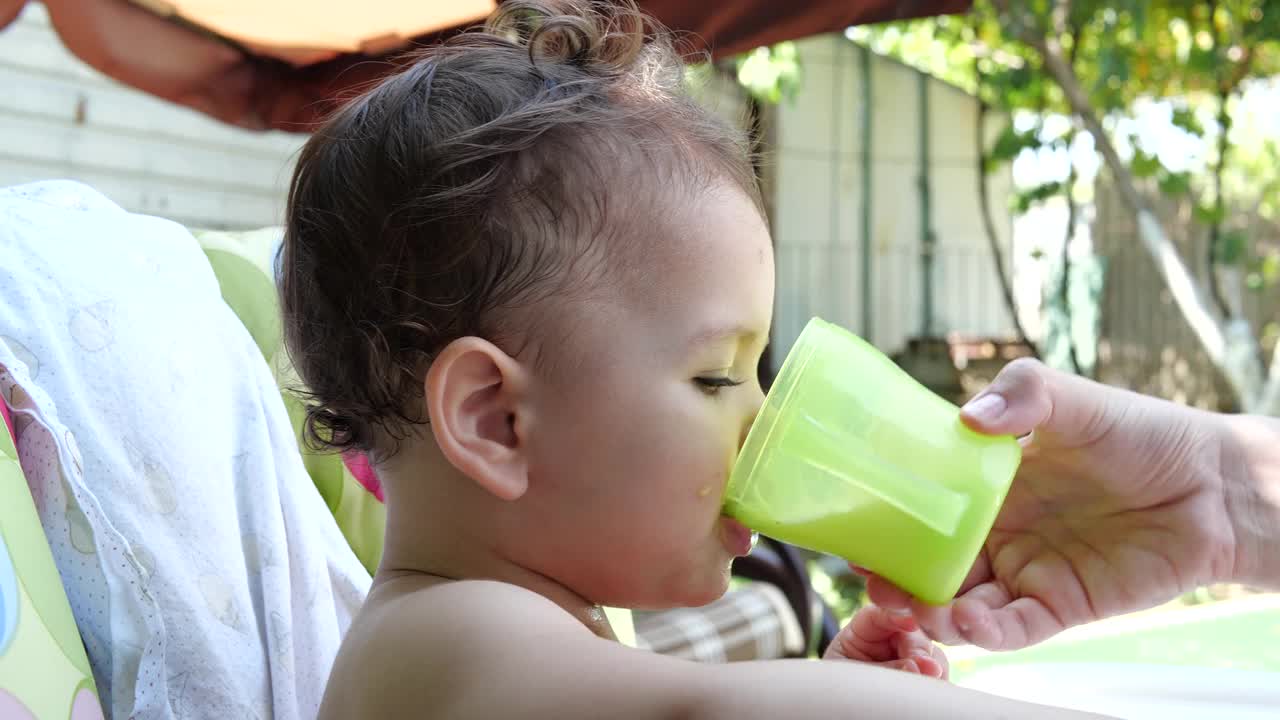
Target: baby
pixel 532 279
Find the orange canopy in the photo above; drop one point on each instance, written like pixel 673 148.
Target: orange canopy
pixel 282 63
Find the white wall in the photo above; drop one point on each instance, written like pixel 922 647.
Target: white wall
pixel 61 119
pixel 817 203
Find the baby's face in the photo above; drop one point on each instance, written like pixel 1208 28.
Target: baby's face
pixel 627 477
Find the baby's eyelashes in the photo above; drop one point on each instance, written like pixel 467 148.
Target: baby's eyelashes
pixel 713 385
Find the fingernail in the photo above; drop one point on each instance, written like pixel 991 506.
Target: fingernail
pixel 898 611
pixel 928 666
pixel 986 408
pixel 905 623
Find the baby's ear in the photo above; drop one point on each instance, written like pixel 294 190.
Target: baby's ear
pixel 475 393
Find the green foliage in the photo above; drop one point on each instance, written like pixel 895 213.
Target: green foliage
pixel 770 73
pixel 843 591
pixel 1271 268
pixel 1122 50
pixel 1185 118
pixel 1124 53
pixel 1209 214
pixel 1144 164
pixel 1009 144
pixel 1026 199
pixel 1231 247
pixel 1263 272
pixel 1173 184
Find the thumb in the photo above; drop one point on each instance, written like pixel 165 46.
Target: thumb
pixel 1026 395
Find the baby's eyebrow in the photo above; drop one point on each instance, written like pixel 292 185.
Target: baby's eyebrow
pixel 721 333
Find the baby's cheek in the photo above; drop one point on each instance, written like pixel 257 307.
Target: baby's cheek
pixel 687 455
pixel 714 482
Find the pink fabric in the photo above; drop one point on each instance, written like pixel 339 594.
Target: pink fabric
pixel 358 465
pixel 8 422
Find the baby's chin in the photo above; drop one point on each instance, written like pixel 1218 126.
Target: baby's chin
pixel 711 593
pixel 700 587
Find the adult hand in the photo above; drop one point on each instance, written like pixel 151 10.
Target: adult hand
pixel 1119 505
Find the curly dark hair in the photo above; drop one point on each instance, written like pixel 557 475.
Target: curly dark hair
pixel 500 167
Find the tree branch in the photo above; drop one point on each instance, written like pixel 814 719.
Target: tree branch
pixel 1186 291
pixel 1061 11
pixel 988 224
pixel 1221 341
pixel 1270 402
pixel 1064 286
pixel 1219 208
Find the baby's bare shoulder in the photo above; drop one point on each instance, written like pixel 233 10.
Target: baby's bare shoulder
pixel 411 652
pixel 468 608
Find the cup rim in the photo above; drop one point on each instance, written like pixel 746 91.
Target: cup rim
pixel 780 395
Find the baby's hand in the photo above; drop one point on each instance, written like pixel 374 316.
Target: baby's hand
pixel 877 636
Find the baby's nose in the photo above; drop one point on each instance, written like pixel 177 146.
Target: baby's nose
pixel 757 402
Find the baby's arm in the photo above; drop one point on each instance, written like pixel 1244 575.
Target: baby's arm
pixel 484 650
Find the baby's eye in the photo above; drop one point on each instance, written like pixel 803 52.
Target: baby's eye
pixel 713 385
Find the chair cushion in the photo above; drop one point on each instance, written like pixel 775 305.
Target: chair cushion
pixel 204 571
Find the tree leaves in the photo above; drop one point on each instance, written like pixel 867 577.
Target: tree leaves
pixel 1174 184
pixel 1126 55
pixel 1127 49
pixel 1271 268
pixel 1026 199
pixel 1144 164
pixel 1264 273
pixel 1231 247
pixel 770 73
pixel 1185 118
pixel 1202 61
pixel 1209 214
pixel 1009 144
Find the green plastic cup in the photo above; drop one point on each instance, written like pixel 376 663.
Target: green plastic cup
pixel 851 456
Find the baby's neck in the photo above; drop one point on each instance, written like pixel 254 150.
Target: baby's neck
pixel 591 615
pixel 433 531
